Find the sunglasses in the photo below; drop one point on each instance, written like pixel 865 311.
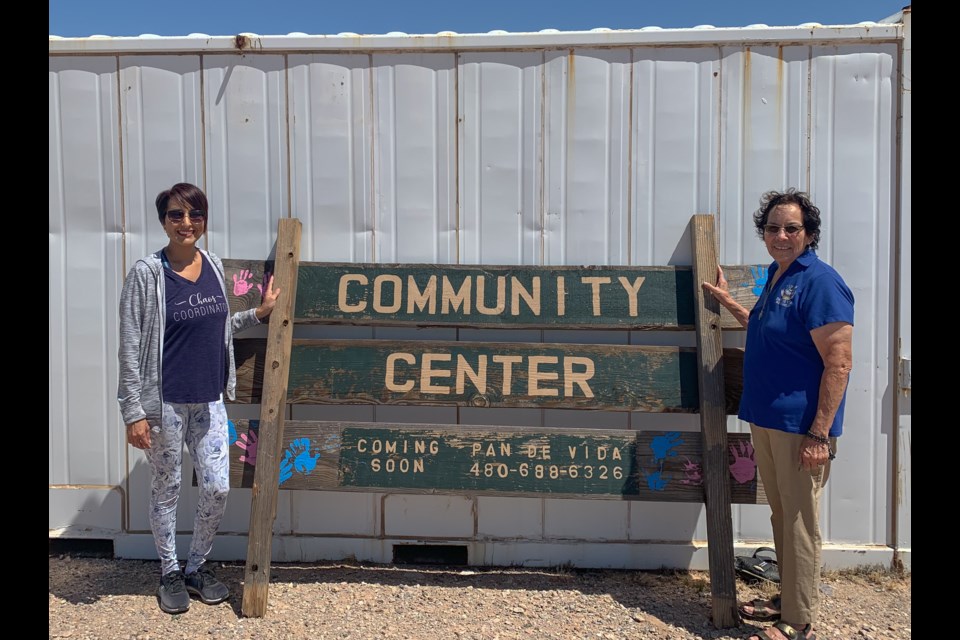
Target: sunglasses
pixel 791 229
pixel 196 215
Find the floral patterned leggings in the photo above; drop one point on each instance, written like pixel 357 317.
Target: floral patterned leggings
pixel 204 427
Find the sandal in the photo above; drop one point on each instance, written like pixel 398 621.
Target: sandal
pixel 758 567
pixel 789 632
pixel 763 610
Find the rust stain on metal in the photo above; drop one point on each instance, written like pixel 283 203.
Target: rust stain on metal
pixel 243 42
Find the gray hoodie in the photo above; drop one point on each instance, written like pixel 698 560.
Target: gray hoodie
pixel 142 316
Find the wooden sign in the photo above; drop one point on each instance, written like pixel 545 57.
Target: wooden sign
pixel 499 296
pixel 515 461
pixel 587 463
pixel 483 374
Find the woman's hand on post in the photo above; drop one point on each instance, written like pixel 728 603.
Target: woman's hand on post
pixel 721 290
pixel 138 434
pixel 270 296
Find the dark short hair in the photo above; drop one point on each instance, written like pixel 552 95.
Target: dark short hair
pixel 772 199
pixel 189 194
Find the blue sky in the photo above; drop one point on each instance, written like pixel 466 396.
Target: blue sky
pixel 79 18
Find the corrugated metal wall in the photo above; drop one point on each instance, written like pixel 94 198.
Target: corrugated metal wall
pixel 532 156
pixel 903 344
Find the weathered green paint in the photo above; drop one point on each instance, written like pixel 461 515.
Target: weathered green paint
pixel 536 462
pixel 610 464
pixel 625 378
pixel 511 296
pixel 664 299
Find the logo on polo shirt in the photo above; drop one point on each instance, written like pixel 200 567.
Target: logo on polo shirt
pixel 785 299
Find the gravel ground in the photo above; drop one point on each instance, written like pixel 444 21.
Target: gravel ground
pixel 107 599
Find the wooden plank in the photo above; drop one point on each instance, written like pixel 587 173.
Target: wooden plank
pixel 263 508
pixel 713 427
pixel 481 374
pixel 557 297
pixel 581 462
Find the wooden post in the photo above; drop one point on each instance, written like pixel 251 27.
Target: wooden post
pixel 713 429
pixel 263 508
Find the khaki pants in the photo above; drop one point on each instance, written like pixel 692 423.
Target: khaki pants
pixel 794 497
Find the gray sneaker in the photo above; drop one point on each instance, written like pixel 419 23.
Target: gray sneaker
pixel 205 585
pixel 172 593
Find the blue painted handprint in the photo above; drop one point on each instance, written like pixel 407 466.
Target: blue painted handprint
pixel 656 481
pixel 297 458
pixel 663 445
pixel 286 468
pixel 760 274
pixel 232 429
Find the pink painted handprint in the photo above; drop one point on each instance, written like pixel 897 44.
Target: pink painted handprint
pixel 693 473
pixel 744 469
pixel 248 442
pixel 240 285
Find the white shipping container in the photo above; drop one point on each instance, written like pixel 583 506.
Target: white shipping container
pixel 553 148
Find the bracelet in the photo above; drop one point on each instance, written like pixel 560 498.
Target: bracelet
pixel 822 440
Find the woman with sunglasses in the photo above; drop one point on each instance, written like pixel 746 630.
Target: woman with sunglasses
pixel 176 360
pixel 797 362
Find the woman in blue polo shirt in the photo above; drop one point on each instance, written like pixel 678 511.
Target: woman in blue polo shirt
pixel 176 361
pixel 797 361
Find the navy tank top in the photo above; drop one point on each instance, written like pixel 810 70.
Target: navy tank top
pixel 194 355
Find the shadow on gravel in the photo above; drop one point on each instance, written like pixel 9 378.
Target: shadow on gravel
pixel 656 598
pixel 686 605
pixel 72 578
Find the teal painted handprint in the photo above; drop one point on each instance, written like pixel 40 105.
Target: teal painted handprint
pixel 760 274
pixel 297 458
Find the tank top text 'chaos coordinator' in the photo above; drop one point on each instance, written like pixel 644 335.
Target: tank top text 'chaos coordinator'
pixel 194 355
